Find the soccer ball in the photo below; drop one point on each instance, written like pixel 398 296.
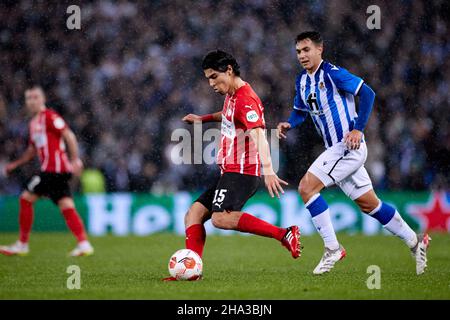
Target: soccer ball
pixel 186 264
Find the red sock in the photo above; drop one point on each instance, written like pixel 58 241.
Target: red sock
pixel 252 224
pixel 195 238
pixel 75 223
pixel 26 215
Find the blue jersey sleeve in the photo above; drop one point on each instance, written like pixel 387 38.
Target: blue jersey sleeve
pixel 298 102
pixel 297 117
pixel 366 99
pixel 344 80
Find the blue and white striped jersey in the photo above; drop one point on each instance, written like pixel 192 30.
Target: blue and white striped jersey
pixel 328 95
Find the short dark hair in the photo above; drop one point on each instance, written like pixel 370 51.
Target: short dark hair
pixel 314 36
pixel 220 60
pixel 35 87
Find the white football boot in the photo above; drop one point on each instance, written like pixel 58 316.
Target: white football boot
pixel 419 252
pixel 16 249
pixel 83 248
pixel 329 258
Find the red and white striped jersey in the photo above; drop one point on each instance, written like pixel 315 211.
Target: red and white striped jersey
pixel 241 112
pixel 46 136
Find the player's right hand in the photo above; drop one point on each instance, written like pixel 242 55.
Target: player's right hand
pixel 191 118
pixel 282 129
pixel 273 184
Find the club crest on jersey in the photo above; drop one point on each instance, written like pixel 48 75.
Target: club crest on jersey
pixel 321 85
pixel 252 116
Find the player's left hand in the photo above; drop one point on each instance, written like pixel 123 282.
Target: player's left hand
pixel 77 166
pixel 353 139
pixel 273 184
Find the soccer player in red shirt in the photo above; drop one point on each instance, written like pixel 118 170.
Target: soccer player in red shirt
pixel 243 152
pixel 49 135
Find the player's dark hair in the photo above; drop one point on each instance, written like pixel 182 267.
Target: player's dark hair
pixel 314 36
pixel 34 86
pixel 220 60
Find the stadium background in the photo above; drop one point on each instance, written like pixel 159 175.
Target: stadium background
pixel 124 81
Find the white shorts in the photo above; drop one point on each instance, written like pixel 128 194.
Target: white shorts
pixel 345 168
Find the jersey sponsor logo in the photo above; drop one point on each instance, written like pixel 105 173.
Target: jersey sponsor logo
pixel 313 104
pixel 228 128
pixel 39 139
pixel 252 116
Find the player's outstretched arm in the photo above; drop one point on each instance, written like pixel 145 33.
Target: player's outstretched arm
pixel 271 180
pixel 212 117
pixel 27 156
pixel 72 146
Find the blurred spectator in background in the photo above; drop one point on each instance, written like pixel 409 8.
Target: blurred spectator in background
pixel 126 78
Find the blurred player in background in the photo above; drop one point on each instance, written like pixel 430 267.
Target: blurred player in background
pixel 240 160
pixel 49 135
pixel 327 93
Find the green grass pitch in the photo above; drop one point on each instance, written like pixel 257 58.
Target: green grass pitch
pixel 235 267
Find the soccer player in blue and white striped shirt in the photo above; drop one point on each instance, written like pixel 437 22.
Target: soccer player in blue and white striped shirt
pixel 327 93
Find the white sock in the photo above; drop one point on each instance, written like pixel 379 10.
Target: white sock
pixel 401 229
pixel 322 222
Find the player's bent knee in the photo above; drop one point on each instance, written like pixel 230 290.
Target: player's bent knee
pixel 218 220
pixel 304 189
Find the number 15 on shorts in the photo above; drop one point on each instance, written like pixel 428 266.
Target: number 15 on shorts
pixel 219 196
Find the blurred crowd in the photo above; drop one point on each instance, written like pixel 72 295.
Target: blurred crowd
pixel 124 81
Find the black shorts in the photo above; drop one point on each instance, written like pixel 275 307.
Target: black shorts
pixel 230 193
pixel 51 185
